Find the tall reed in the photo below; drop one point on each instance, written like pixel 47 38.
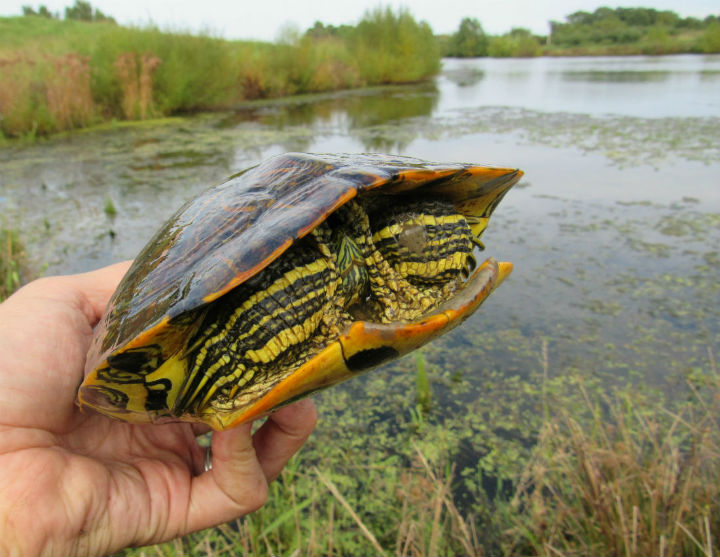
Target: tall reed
pixel 67 90
pixel 135 75
pixel 44 94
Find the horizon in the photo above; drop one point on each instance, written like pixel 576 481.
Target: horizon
pixel 234 21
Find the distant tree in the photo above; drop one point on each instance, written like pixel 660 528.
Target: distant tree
pixel 710 40
pixel 578 18
pixel 83 11
pixel 469 40
pixel 667 19
pixel 392 47
pixel 517 43
pixel 657 40
pixel 526 44
pixel 690 23
pixel 621 26
pixel 319 30
pixel 42 11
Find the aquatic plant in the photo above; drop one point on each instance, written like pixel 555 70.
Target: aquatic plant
pixel 109 207
pixel 135 76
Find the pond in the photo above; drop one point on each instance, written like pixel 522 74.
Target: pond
pixel 614 231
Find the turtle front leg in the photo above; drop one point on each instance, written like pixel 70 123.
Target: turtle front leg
pixel 392 297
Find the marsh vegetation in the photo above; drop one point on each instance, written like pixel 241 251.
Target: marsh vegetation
pixel 58 75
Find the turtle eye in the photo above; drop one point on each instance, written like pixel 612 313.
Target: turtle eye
pixel 428 242
pixel 412 237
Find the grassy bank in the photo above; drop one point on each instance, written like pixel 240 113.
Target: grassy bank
pixel 59 75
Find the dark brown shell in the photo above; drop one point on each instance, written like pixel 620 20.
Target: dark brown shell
pixel 231 232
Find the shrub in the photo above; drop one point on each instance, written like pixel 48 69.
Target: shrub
pixel 710 41
pixel 389 47
pixel 469 40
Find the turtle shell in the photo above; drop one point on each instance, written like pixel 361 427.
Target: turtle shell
pixel 230 233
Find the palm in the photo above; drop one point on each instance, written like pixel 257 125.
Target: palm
pixel 81 483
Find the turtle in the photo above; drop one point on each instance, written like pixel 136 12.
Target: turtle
pixel 291 276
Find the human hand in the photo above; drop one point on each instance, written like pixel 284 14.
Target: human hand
pixel 80 483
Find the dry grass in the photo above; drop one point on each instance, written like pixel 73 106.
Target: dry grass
pixel 135 76
pixel 52 92
pixel 430 523
pixel 632 482
pixel 67 90
pixel 15 97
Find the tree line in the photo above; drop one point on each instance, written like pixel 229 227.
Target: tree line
pixel 654 31
pixel 606 30
pixel 80 11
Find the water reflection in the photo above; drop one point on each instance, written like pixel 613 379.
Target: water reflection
pixel 353 109
pixel 621 76
pixel 464 76
pixel 367 116
pixel 589 85
pixel 390 106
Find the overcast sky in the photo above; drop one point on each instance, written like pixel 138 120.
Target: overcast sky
pixel 262 19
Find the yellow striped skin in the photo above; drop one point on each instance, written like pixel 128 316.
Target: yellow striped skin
pixel 373 282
